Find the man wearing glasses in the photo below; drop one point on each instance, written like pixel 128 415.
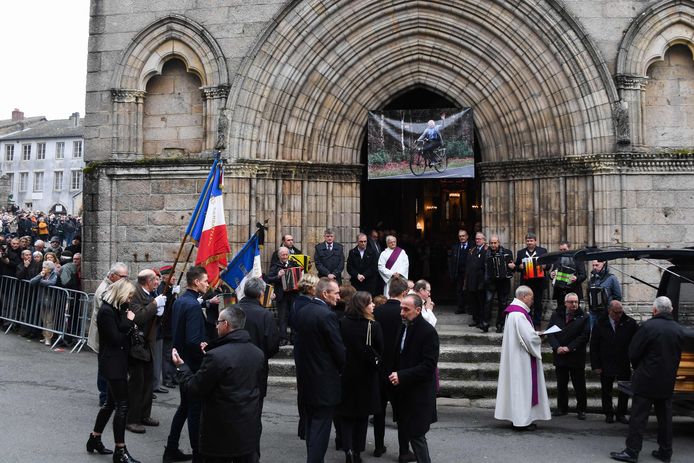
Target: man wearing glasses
pixel 569 347
pixel 118 271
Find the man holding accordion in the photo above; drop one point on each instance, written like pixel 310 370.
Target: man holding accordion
pixel 567 276
pixel 284 275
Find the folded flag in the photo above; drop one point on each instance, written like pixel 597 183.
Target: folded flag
pixel 244 265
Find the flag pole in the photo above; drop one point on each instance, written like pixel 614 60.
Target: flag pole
pixel 196 214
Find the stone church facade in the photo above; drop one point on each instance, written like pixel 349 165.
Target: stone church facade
pixel 584 115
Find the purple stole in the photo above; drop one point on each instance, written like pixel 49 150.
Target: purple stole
pixel 393 257
pixel 533 361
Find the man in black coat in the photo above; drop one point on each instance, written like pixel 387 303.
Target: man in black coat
pixel 567 276
pixel 228 383
pixel 474 278
pixel 532 276
pixel 283 298
pixel 362 266
pixel 497 282
pixel 319 355
pixel 456 267
pixel 388 316
pixel 414 376
pixel 262 329
pixel 609 357
pixel 569 348
pixel 329 258
pixel 655 353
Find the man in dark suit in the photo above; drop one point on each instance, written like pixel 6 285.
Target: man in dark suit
pixel 474 279
pixel 283 298
pixel 141 373
pixel 655 353
pixel 362 266
pixel 329 258
pixel 532 275
pixel 319 355
pixel 456 267
pixel 189 337
pixel 287 242
pixel 414 376
pixel 388 316
pixel 569 348
pixel 609 357
pixel 262 328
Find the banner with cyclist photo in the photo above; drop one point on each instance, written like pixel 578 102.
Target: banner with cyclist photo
pixel 421 143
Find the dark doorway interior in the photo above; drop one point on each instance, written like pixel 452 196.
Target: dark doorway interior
pixel 425 215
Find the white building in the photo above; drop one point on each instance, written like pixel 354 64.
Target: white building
pixel 42 162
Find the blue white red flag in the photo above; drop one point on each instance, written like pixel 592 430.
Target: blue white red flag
pixel 213 244
pixel 197 220
pixel 244 265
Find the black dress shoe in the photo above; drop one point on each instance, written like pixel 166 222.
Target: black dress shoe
pixel 150 421
pixel 170 385
pixel 581 416
pixel 171 456
pixel 623 419
pixel 625 455
pixel 609 419
pixel 499 329
pixel 559 413
pixel 484 327
pixel 378 451
pixel 472 324
pixel 661 455
pixel 405 457
pixel 161 390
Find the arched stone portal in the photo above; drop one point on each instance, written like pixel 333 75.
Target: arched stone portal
pixel 539 89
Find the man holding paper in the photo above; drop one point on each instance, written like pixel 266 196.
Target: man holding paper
pixel 569 348
pixel 521 395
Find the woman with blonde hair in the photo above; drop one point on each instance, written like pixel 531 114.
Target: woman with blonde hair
pixel 115 324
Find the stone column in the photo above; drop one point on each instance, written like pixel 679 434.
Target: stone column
pixel 214 99
pixel 631 89
pixel 128 112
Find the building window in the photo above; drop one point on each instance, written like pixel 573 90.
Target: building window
pixel 9 152
pixel 40 151
pixel 38 181
pixel 76 180
pixel 58 180
pixel 23 181
pixel 60 150
pixel 28 205
pixel 26 152
pixel 76 149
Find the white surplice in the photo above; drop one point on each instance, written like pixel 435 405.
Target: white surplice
pixel 514 390
pixel 401 266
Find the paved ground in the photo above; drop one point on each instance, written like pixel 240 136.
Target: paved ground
pixel 48 404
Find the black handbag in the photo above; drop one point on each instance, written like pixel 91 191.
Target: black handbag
pixel 373 357
pixel 139 349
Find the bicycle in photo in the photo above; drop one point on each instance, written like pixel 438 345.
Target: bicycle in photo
pixel 419 162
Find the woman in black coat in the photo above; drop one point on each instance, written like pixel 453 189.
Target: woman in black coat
pixel 360 387
pixel 115 323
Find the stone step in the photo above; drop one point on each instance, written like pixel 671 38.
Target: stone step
pixel 487 389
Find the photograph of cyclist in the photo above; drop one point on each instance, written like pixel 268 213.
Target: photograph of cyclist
pixel 432 140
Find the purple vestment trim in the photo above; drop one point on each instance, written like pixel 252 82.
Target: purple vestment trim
pixel 393 257
pixel 533 361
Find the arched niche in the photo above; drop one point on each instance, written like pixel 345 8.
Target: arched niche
pixel 171 37
pixel 646 42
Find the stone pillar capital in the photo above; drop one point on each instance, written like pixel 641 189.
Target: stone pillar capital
pixel 211 93
pixel 123 95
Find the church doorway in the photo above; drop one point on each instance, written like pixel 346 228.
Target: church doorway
pixel 425 214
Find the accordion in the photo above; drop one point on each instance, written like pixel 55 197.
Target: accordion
pixel 597 299
pixel 563 276
pixel 291 277
pixel 498 267
pixel 531 270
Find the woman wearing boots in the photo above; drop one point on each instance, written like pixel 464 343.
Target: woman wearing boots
pixel 363 341
pixel 115 323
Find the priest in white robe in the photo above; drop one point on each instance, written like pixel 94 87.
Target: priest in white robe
pixel 392 261
pixel 521 395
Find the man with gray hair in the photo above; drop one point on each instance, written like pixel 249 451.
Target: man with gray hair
pixel 284 297
pixel 329 257
pixel 655 353
pixel 118 271
pixel 262 329
pixel 228 385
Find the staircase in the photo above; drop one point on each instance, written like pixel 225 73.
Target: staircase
pixel 468 365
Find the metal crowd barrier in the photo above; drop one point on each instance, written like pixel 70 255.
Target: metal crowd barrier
pixel 54 310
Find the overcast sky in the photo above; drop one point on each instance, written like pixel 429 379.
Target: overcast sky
pixel 43 56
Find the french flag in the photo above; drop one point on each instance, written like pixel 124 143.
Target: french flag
pixel 211 233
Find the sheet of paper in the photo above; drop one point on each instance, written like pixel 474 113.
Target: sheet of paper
pixel 552 329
